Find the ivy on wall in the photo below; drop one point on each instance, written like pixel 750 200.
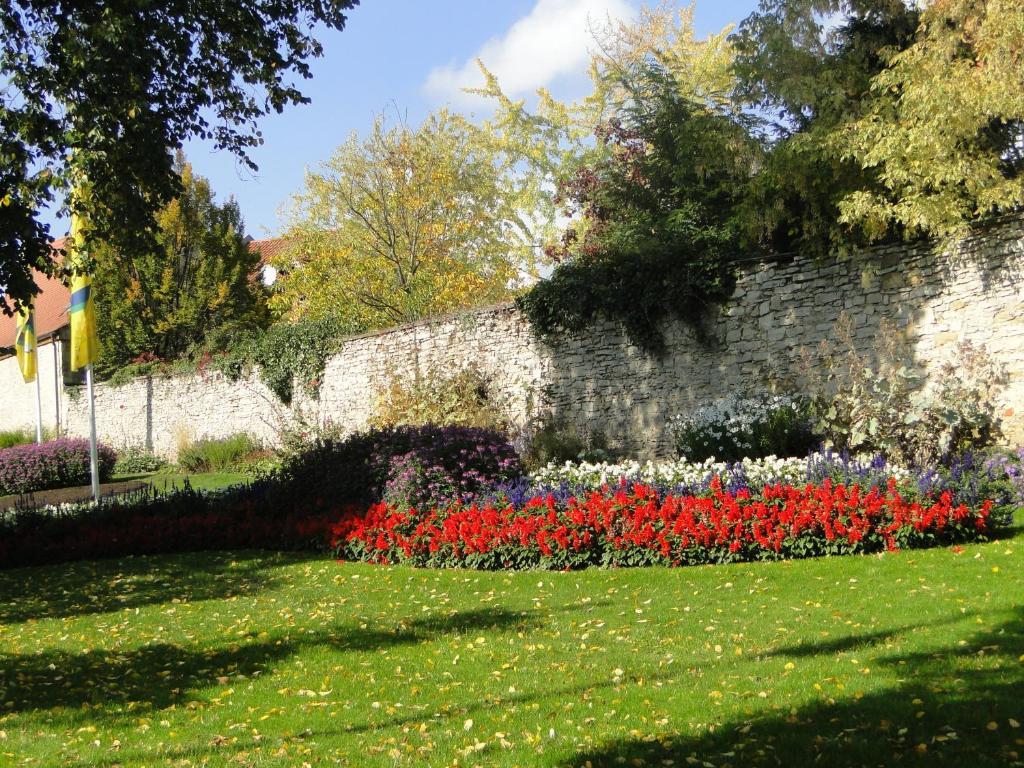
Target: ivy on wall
pixel 286 354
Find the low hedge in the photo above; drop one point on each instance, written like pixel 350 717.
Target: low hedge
pixel 55 464
pixel 149 522
pixel 412 463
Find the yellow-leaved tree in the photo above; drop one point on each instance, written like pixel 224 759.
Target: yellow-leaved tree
pixel 406 223
pixel 945 131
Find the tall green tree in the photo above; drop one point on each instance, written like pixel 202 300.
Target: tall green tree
pixel 198 280
pixel 648 171
pixel 804 67
pixel 106 90
pixel 655 216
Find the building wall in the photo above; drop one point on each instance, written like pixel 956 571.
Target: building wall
pixel 18 399
pixel 597 379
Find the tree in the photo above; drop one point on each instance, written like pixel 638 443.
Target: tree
pixel 648 170
pixel 945 132
pixel 804 68
pixel 656 216
pixel 404 224
pixel 197 281
pixel 557 139
pixel 104 92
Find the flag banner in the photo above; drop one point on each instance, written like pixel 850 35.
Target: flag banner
pixel 84 342
pixel 25 344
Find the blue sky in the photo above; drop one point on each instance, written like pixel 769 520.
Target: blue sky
pixel 413 55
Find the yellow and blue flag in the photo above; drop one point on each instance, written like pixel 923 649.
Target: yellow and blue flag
pixel 85 345
pixel 25 344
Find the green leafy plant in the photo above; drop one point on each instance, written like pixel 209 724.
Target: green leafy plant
pixel 217 455
pixel 550 440
pixel 131 86
pixel 285 354
pixel 653 232
pixel 958 410
pixel 879 402
pixel 160 303
pixel 135 460
pixel 22 436
pixel 463 397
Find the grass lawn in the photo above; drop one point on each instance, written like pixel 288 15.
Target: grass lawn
pixel 205 481
pixel 250 659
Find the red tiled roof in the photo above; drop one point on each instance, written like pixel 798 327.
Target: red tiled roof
pixel 269 248
pixel 51 304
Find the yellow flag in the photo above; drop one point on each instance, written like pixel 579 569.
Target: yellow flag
pixel 85 345
pixel 25 344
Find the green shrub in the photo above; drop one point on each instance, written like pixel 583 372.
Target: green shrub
pixel 24 436
pixel 136 460
pixel 12 437
pixel 877 402
pixel 219 454
pixel 286 354
pixel 460 398
pixel 557 441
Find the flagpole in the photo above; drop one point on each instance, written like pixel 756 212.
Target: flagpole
pixel 39 406
pixel 93 455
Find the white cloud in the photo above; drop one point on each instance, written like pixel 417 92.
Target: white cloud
pixel 549 43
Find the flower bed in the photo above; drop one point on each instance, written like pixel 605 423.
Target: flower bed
pixel 635 525
pixel 696 476
pixel 485 515
pixel 53 464
pixel 735 427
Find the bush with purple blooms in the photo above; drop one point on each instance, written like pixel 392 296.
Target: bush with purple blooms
pixel 55 464
pixel 411 464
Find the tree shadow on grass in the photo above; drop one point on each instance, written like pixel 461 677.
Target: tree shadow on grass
pixel 158 675
pixel 954 706
pixel 214 748
pixel 862 641
pixel 102 586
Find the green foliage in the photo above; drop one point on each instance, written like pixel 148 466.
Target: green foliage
pixel 23 436
pixel 464 397
pixel 945 130
pixel 406 223
pixel 218 455
pixel 878 402
pixel 104 92
pixel 158 304
pixel 285 353
pixel 806 81
pixel 136 460
pixel 553 440
pixel 659 228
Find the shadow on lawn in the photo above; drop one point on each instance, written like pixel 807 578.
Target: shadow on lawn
pixel 198 751
pixel 159 675
pixel 101 586
pixel 954 706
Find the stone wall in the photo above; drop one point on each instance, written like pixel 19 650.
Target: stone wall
pixel 598 380
pixel 162 414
